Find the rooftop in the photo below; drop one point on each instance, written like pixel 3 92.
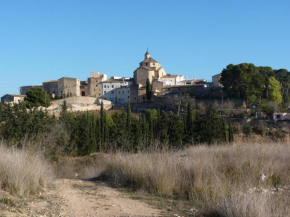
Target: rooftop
pixel 149 60
pixel 16 95
pixel 116 80
pixel 170 76
pixel 185 86
pixel 52 81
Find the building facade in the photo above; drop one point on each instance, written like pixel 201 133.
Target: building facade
pixel 95 86
pixel 12 99
pixel 148 69
pixel 114 88
pixel 68 87
pixel 51 87
pixel 23 89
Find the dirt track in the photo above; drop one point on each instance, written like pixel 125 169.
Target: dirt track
pixel 76 198
pixel 83 198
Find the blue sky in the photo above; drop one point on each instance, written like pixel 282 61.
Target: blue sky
pixel 45 40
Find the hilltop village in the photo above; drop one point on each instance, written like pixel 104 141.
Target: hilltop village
pixel 118 90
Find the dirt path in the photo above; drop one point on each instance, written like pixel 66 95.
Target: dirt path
pixel 83 198
pixel 76 198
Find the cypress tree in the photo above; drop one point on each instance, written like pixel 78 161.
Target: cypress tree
pixel 128 118
pixel 102 126
pixel 148 89
pixel 189 130
pixel 175 129
pixel 231 133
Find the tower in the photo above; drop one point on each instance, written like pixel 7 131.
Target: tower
pixel 147 55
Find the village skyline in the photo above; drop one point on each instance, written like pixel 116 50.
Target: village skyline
pixel 42 41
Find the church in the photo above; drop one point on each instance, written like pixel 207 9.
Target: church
pixel 152 70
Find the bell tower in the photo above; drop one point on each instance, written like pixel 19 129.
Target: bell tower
pixel 147 54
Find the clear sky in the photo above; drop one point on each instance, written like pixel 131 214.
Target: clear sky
pixel 42 40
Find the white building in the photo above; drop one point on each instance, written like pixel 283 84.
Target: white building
pixel 123 94
pixel 116 90
pixel 281 116
pixel 171 80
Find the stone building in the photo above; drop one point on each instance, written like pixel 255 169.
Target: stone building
pixel 12 99
pixel 148 69
pixel 23 89
pixel 69 87
pixel 216 80
pixel 51 87
pixel 95 86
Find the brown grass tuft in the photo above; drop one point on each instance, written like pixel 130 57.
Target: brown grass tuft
pixel 23 172
pixel 220 180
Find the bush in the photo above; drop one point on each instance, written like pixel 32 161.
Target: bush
pixel 259 130
pixel 247 130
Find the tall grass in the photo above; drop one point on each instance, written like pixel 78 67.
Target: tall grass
pixel 23 172
pixel 220 180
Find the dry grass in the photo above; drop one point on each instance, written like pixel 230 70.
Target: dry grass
pixel 219 180
pixel 23 172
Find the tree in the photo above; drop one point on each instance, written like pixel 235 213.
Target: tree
pixel 189 128
pixel 211 127
pixel 128 117
pixel 283 76
pixel 267 72
pixel 175 131
pixel 243 81
pixel 274 90
pixel 36 97
pixel 231 133
pixel 148 89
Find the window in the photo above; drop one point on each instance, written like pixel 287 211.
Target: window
pixel 153 64
pixel 128 97
pixel 112 92
pixel 119 92
pixel 105 86
pixel 135 98
pixel 112 86
pixel 278 116
pixel 99 94
pixel 94 90
pixel 105 91
pixel 96 85
pixel 146 64
pixel 123 91
pixel 128 91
